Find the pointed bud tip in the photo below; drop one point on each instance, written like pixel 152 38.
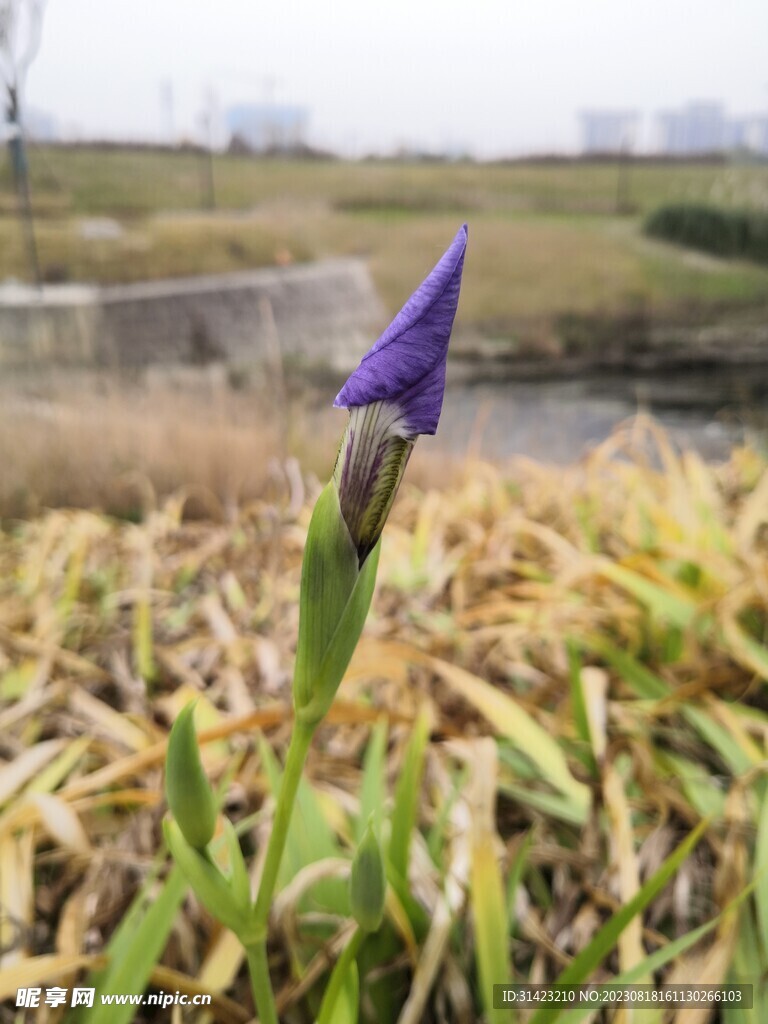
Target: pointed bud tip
pixel 407 364
pixel 189 794
pixel 368 883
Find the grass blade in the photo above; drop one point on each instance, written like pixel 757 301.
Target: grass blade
pixel 582 966
pixel 407 792
pixel 372 784
pixel 136 947
pixel 489 918
pixel 523 731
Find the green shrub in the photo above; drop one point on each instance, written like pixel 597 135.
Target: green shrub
pixel 727 233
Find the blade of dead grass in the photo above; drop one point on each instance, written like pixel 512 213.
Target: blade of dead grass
pixel 16 896
pixel 630 941
pixel 714 963
pixel 59 769
pixel 429 963
pixel 112 723
pixel 221 965
pixel 490 923
pixel 26 766
pixel 61 822
pixel 579 699
pixel 41 969
pixel 489 907
pixel 226 1010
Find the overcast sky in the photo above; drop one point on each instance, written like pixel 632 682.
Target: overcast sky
pixel 495 76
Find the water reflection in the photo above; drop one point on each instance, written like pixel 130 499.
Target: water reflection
pixel 557 421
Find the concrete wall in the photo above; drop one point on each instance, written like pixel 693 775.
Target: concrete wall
pixel 324 314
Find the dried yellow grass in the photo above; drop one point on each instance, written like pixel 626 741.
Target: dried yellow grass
pixel 486 589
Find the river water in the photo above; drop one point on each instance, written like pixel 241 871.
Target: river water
pixel 708 409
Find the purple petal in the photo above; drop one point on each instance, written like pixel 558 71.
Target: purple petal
pixel 407 363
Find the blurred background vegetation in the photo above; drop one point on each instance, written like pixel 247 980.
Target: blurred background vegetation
pixel 558 711
pixel 548 237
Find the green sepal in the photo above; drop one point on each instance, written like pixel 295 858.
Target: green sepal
pixel 335 598
pixel 209 885
pixel 187 788
pixel 368 883
pixel 241 885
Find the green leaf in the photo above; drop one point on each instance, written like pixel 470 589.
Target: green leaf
pixel 702 791
pixel 142 639
pixel 209 885
pixel 642 680
pixel 552 804
pixel 407 796
pixel 676 610
pixel 373 782
pixel 747 968
pixel 328 575
pixel 341 999
pixel 436 837
pixel 349 998
pixel 516 874
pixel 719 739
pixel 241 884
pixel 135 948
pixel 344 640
pixel 335 598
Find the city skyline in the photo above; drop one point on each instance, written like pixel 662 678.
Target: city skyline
pixel 493 81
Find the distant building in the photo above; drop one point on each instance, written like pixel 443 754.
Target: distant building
pixel 736 133
pixel 757 134
pixel 267 127
pixel 703 127
pixel 608 131
pixel 699 127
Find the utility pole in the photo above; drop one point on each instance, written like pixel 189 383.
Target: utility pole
pixel 207 124
pixel 21 23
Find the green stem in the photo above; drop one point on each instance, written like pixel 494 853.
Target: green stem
pixel 294 766
pixel 328 1004
pixel 257 949
pixel 261 986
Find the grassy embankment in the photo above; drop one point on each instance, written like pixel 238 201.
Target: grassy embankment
pixel 568 666
pixel 551 266
pixel 568 674
pixel 547 241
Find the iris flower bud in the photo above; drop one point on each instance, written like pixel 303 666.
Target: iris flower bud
pixel 187 789
pixel 368 883
pixel 395 394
